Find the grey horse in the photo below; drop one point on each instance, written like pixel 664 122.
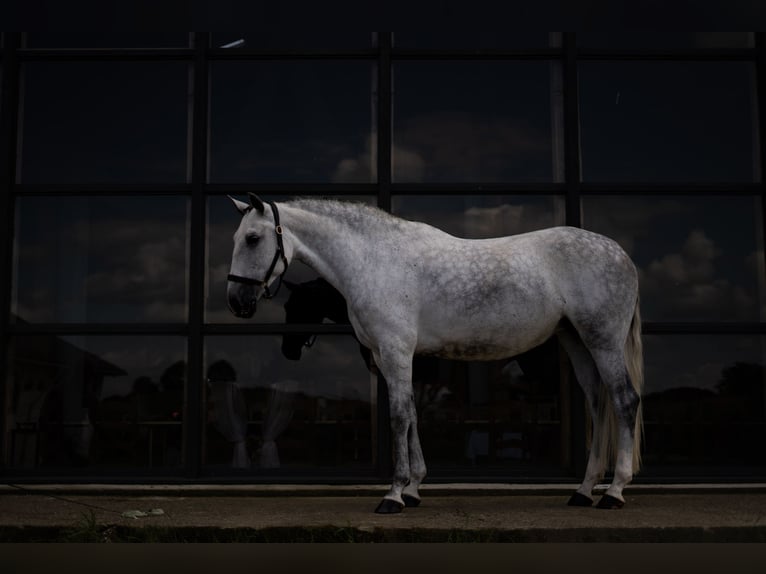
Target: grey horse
pixel 414 289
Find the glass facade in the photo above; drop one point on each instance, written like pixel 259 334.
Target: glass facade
pixel 121 359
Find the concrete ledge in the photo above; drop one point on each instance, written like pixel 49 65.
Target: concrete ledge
pixel 451 514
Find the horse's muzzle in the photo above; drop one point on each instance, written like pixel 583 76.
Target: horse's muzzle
pixel 242 300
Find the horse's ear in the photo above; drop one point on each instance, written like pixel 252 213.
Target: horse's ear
pixel 241 206
pixel 256 202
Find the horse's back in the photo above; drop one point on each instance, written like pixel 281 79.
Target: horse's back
pixel 505 295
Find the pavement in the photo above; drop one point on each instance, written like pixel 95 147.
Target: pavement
pixel 317 513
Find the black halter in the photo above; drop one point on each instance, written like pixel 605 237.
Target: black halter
pixel 280 254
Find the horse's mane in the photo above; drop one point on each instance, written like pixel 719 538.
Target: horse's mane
pixel 355 214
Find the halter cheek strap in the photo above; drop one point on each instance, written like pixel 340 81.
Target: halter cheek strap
pixel 280 254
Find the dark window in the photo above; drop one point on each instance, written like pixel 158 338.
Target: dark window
pixel 83 401
pixel 268 413
pixel 104 122
pixel 100 260
pixel 476 121
pixel 482 216
pixel 292 122
pixel 692 266
pixel 704 404
pixel 668 122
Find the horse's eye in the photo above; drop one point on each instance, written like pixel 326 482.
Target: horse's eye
pixel 251 239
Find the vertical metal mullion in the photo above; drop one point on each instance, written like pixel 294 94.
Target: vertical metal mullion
pixel 760 70
pixel 573 217
pixel 571 131
pixel 384 144
pixel 193 419
pixel 385 115
pixel 9 105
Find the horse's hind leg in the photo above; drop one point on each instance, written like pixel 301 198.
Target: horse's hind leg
pixel 625 402
pixel 588 378
pixel 410 494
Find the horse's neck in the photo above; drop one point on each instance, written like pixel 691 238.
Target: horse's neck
pixel 327 244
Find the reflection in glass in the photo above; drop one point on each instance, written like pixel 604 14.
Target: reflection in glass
pixel 477 121
pixel 692 266
pixel 77 401
pixel 292 121
pixel 495 414
pixel 100 259
pixel 668 122
pixel 482 216
pixel 476 40
pixel 704 402
pixel 267 412
pixel 664 40
pixel 223 221
pixel 104 122
pixel 273 39
pixel 96 38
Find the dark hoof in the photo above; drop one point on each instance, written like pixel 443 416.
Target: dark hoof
pixel 410 501
pixel 610 503
pixel 388 506
pixel 578 499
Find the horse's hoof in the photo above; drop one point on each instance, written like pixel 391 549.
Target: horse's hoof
pixel 410 501
pixel 578 499
pixel 388 506
pixel 609 502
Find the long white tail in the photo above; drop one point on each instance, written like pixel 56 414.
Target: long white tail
pixel 634 362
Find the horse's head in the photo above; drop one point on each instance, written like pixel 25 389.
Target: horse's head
pixel 305 305
pixel 259 256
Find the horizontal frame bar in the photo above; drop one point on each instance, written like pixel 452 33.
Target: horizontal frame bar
pixel 180 329
pixel 327 189
pixel 105 54
pixel 702 328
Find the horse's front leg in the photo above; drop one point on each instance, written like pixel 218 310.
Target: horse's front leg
pixel 396 367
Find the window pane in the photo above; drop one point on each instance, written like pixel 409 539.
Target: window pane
pixel 495 414
pixel 78 401
pixel 267 413
pixel 104 122
pixel 100 259
pixel 292 122
pixel 666 40
pixel 668 122
pixel 482 216
pixel 692 266
pixel 477 121
pixel 279 40
pixel 223 221
pixel 704 404
pixel 103 39
pixel 478 40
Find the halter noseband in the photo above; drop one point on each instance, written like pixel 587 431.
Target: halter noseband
pixel 280 254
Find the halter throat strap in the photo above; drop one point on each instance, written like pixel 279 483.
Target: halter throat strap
pixel 280 254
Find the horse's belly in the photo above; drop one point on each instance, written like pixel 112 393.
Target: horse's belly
pixel 484 343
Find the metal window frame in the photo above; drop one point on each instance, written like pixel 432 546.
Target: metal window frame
pixel 200 57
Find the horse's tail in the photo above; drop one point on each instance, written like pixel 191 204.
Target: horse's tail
pixel 634 362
